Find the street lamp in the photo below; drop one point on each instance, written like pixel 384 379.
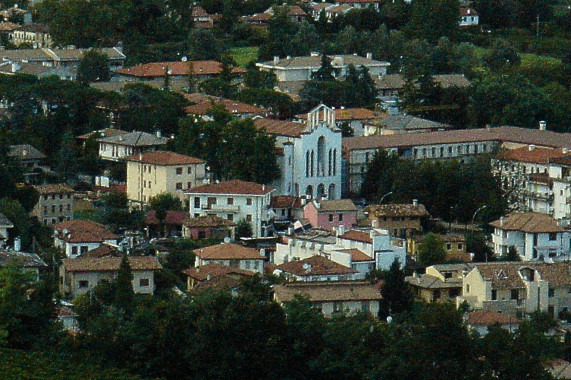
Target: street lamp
pixel 384 196
pixel 477 211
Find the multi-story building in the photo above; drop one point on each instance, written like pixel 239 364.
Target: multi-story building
pixel 232 255
pixel 234 200
pixel 55 204
pixel 119 146
pixel 401 220
pixel 310 154
pixel 440 283
pixel 442 145
pixel 33 35
pixel 512 287
pixel 328 214
pixel 533 235
pixel 155 173
pixel 353 118
pixel 454 245
pixel 77 237
pixel 315 268
pixel 62 57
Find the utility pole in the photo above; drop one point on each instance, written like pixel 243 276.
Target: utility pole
pixel 537 26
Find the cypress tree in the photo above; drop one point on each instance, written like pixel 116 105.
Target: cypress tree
pixel 124 294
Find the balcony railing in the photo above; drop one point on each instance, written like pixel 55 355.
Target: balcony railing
pixel 221 208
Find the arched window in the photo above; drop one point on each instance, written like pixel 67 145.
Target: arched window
pixel 334 161
pixel 307 163
pixel 309 191
pixel 329 170
pixel 296 189
pixel 312 163
pixel 320 191
pixel 321 156
pixel 331 193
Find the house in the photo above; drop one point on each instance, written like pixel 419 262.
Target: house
pixel 328 214
pixel 311 160
pixel 362 250
pixel 232 255
pixel 202 105
pixel 533 235
pixel 468 17
pixel 402 220
pixel 460 145
pixel 201 19
pixel 153 173
pixel 528 175
pixel 118 146
pixel 392 84
pixel 454 245
pixel 234 200
pixel 482 320
pixel 208 227
pixel 176 70
pixel 68 318
pixel 33 35
pixel 518 287
pixel 77 237
pixel 30 262
pixel 329 298
pixel 440 283
pixel 287 208
pixel 171 226
pixel 208 272
pixel 292 69
pixel 5 225
pixel 295 13
pixel 101 133
pixel 62 57
pixel 37 70
pixel 315 268
pixel 28 156
pixel 55 203
pixel 80 275
pixel 361 4
pixel 401 123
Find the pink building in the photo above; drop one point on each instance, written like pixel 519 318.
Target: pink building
pixel 329 214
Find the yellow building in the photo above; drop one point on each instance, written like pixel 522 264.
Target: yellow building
pixel 454 245
pixel 159 172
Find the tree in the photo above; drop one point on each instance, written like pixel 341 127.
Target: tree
pixel 162 204
pixel 93 67
pixel 243 228
pixel 379 177
pixel 203 45
pixel 432 19
pixel 67 157
pixel 397 297
pixel 477 243
pixel 431 250
pixel 124 292
pixel 502 56
pixel 511 255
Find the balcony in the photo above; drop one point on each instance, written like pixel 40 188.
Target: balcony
pixel 221 208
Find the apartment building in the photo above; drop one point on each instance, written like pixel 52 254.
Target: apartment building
pixel 55 204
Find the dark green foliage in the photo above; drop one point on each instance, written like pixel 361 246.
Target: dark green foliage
pixel 203 45
pixel 431 250
pixel 432 19
pixel 511 255
pixel 67 157
pixel 164 202
pixel 124 292
pixel 397 296
pixel 93 67
pixel 477 244
pixel 243 228
pixel 503 56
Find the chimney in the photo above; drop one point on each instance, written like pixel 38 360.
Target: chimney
pixel 565 150
pixel 208 277
pixel 315 54
pixel 502 220
pixel 307 267
pixel 317 204
pixel 17 244
pixel 415 202
pixel 288 57
pixel 276 59
pixel 24 152
pixel 369 55
pixel 542 125
pixel 375 223
pixel 531 148
pixel 341 230
pixel 290 230
pixel 264 188
pixel 372 234
pixel 159 134
pixel 263 252
pixel 140 156
pixel 303 201
pixel 15 67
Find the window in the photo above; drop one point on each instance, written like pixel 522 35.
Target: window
pixel 179 185
pixel 447 274
pixel 230 201
pixel 178 171
pixel 553 236
pixel 514 294
pixel 460 246
pixel 448 246
pixel 337 306
pixel 188 185
pixel 68 207
pixel 84 249
pixel 189 170
pixel 83 284
pixel 494 294
pixel 211 201
pixel 196 202
pixel 74 251
pixel 330 217
pixel 230 217
pixel 144 282
pixel 436 295
pixel 249 201
pixel 53 209
pixel 247 264
pixel 365 306
pixel 340 217
pixel 45 210
pixel 60 208
pixel 249 217
pixel 467 288
pixel 551 292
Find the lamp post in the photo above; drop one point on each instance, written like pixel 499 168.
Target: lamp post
pixel 476 212
pixel 384 196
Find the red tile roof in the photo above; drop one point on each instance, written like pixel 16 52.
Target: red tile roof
pixel 177 68
pixel 83 231
pixel 357 255
pixel 232 187
pixel 395 209
pixel 110 264
pixel 345 114
pixel 285 201
pixel 530 154
pixel 228 251
pixel 177 218
pixel 214 270
pixel 355 235
pixel 315 266
pixel 531 222
pixel 280 127
pixel 203 103
pixel 164 158
pixel 208 221
pixel 489 317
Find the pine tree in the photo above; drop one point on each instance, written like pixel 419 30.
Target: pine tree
pixel 397 297
pixel 124 294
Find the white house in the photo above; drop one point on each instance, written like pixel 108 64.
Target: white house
pixel 77 237
pixel 117 147
pixel 534 236
pixel 310 154
pixel 234 200
pixel 5 225
pixel 315 268
pixel 469 17
pixel 231 255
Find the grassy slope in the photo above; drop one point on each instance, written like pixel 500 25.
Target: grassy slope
pixel 243 55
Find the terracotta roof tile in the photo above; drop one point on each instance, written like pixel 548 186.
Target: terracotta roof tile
pixel 535 155
pixel 164 158
pixel 489 317
pixel 110 264
pixel 315 266
pixel 328 292
pixel 228 251
pixel 394 209
pixel 208 221
pixel 203 103
pixel 335 205
pixel 58 188
pixel 172 218
pixel 280 127
pixel 531 222
pixel 346 114
pixel 83 231
pixel 177 68
pixel 214 270
pixel 357 255
pixel 506 275
pixel 355 235
pixel 107 132
pixel 232 187
pixel 285 201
